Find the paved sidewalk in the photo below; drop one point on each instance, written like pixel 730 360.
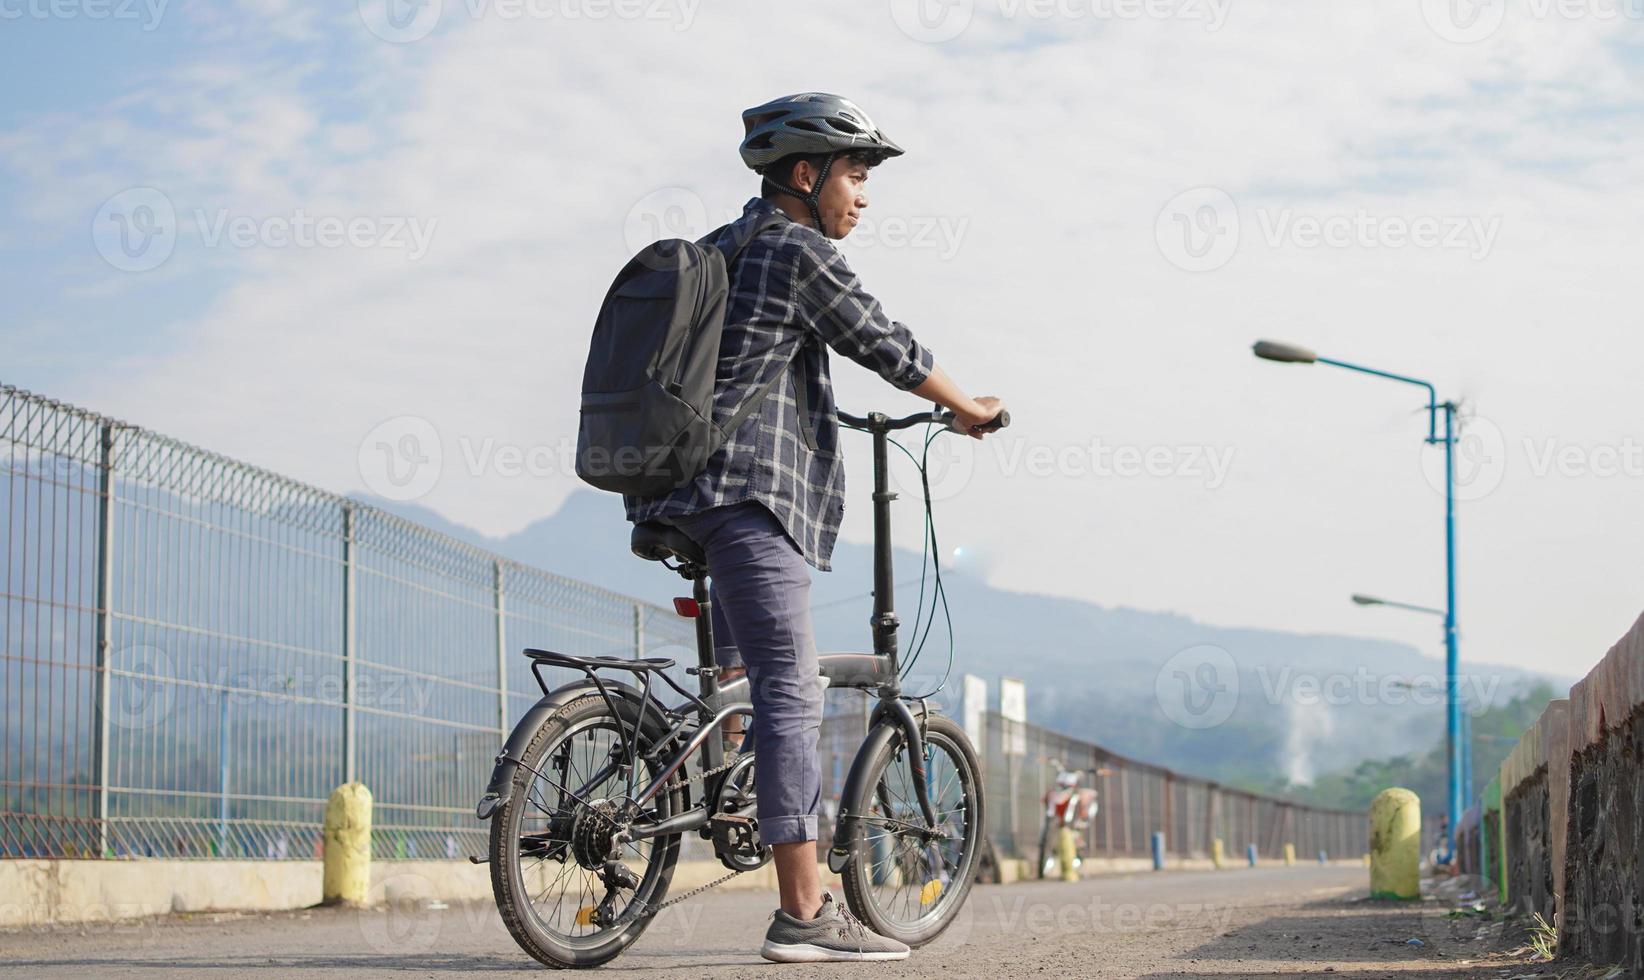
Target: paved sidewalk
pixel 1237 923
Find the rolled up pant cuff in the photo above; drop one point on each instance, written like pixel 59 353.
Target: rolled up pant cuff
pixel 787 830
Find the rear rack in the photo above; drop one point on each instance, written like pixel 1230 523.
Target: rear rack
pixel 648 667
pixel 635 664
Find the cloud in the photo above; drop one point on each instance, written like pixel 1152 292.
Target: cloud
pixel 1052 142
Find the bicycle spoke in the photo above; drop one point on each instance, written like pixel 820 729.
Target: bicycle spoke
pixel 563 897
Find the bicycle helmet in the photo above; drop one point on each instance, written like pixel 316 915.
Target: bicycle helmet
pixel 810 123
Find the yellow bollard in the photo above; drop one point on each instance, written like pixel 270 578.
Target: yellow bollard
pixel 1289 854
pixel 1395 845
pixel 1067 851
pixel 1216 853
pixel 347 874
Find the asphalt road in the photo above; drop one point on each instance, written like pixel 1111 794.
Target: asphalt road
pixel 1244 923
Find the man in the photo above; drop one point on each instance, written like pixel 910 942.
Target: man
pixel 772 498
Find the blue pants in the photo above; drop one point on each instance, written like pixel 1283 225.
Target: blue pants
pixel 762 620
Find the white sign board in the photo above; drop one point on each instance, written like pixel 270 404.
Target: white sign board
pixel 975 706
pixel 1013 709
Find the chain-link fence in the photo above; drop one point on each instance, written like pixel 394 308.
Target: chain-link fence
pixel 197 651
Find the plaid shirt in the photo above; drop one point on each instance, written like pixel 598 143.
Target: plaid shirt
pixel 790 293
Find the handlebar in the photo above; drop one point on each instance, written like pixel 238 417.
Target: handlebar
pixel 878 421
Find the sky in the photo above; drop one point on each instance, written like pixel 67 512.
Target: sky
pixel 362 244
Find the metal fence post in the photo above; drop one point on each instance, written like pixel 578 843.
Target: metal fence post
pixel 350 737
pixel 502 648
pixel 1212 797
pixel 1124 815
pixel 105 625
pixel 639 631
pixel 1169 821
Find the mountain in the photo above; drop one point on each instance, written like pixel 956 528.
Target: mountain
pixel 1133 681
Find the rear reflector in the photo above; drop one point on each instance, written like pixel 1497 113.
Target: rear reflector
pixel 687 608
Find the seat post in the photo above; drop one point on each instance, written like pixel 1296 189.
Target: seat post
pixel 708 676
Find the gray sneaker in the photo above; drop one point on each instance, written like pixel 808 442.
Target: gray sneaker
pixel 833 936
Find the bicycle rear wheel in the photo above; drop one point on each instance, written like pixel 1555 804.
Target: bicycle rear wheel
pixel 901 881
pixel 546 841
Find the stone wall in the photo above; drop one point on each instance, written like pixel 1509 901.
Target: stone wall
pixel 1490 833
pixel 1602 915
pixel 1529 858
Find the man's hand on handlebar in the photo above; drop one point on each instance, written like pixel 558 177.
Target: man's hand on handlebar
pixel 975 423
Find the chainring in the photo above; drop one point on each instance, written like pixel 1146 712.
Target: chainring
pixel 735 823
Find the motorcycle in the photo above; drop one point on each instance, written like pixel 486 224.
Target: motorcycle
pixel 1069 809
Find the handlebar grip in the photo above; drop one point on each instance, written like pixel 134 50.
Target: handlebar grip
pixel 992 425
pixel 998 422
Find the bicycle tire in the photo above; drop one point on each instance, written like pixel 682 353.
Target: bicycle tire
pixel 509 877
pixel 956 875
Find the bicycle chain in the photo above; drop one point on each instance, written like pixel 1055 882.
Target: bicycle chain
pixel 654 909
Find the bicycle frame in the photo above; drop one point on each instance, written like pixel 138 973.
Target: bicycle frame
pixel 714 702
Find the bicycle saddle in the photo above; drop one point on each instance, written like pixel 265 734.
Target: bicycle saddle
pixel 655 541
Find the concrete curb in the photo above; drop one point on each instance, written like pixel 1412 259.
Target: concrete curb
pixel 37 893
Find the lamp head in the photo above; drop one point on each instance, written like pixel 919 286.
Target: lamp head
pixel 1272 350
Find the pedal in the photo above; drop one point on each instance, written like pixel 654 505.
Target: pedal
pixel 732 818
pixel 478 859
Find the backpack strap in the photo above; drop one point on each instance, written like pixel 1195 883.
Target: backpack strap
pixel 753 401
pixel 772 220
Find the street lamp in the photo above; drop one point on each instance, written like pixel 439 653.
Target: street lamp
pixel 1291 354
pixel 1365 600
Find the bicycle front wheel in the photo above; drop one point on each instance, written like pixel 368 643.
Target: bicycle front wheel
pixel 902 879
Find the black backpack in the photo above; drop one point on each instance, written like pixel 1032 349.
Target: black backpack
pixel 648 390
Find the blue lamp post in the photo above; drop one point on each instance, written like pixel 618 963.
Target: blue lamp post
pixel 1287 353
